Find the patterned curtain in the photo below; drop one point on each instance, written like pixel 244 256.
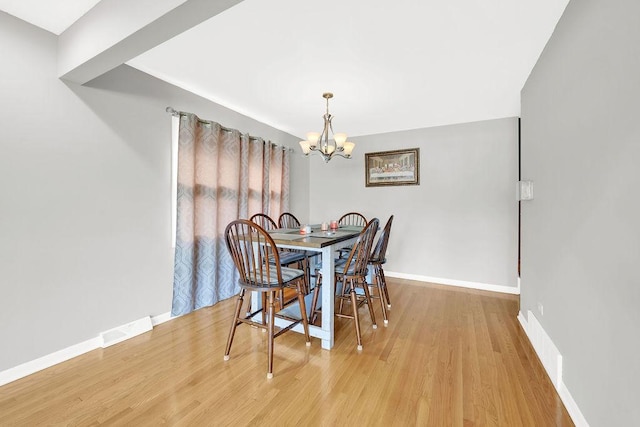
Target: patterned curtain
pixel 222 176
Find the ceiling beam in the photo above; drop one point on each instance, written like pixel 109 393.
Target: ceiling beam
pixel 115 31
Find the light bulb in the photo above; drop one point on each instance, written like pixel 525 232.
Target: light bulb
pixel 305 147
pixel 348 148
pixel 313 137
pixel 340 139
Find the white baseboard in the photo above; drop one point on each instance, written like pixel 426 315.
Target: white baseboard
pixel 552 362
pixel 515 290
pixel 63 355
pixel 161 318
pixel 49 360
pixel 545 348
pixel 523 322
pixel 572 407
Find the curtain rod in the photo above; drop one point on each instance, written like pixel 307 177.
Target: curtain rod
pixel 176 113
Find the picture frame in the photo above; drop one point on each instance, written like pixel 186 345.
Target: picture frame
pixel 396 167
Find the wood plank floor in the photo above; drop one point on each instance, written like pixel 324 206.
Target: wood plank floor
pixel 449 357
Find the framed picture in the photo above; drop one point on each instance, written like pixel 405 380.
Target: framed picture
pixel 398 167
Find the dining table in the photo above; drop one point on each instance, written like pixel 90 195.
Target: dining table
pixel 327 243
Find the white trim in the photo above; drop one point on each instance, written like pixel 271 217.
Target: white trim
pixel 545 349
pixel 161 318
pixel 49 360
pixel 572 407
pixel 175 135
pixel 524 323
pixel 460 283
pixel 544 346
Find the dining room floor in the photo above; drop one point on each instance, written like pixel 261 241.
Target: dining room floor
pixel 449 357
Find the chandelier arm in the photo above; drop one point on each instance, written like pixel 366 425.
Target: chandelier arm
pixel 331 125
pixel 317 152
pixel 326 157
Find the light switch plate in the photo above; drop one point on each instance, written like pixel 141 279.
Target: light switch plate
pixel 525 190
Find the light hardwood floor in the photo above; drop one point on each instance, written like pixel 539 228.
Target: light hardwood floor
pixel 449 357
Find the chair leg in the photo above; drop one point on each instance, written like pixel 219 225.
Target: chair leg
pixel 381 295
pixel 356 318
pixel 367 297
pixel 303 312
pixel 271 329
pixel 344 291
pixel 264 306
pixel 384 286
pixel 234 324
pixel 314 301
pixel 307 275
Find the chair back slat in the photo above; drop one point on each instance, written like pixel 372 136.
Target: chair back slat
pixel 359 255
pixel 353 218
pixel 380 250
pixel 288 220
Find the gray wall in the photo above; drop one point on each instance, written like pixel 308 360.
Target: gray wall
pixel 460 223
pixel 581 233
pixel 85 239
pixel 85 206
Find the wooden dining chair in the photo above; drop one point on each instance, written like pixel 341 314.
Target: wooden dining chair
pixel 288 220
pixel 252 251
pixel 264 221
pixel 353 218
pixel 351 281
pixel 288 257
pixel 376 260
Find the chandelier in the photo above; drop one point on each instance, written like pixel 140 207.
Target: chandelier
pixel 320 142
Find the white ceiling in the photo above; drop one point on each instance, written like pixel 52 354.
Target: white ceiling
pixel 54 16
pixel 392 65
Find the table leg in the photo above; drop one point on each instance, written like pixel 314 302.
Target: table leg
pixel 328 293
